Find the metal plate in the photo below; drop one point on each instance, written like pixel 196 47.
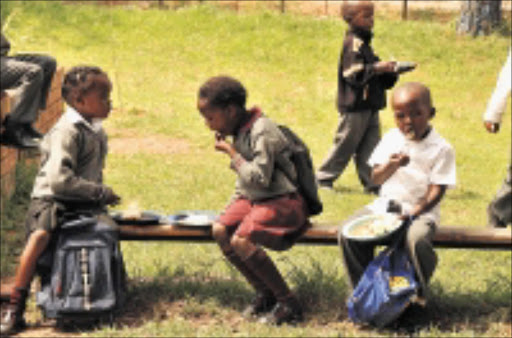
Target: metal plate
pixel 372 227
pixel 404 66
pixel 193 218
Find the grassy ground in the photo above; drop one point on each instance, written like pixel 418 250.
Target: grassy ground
pixel 162 155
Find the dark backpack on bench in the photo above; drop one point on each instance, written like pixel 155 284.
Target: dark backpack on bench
pixel 87 278
pixel 306 181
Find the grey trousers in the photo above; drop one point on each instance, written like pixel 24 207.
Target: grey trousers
pixel 357 136
pixel 28 78
pixel 418 241
pixel 499 210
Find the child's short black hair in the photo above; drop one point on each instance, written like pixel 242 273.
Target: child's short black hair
pixel 350 9
pixel 221 91
pixel 77 81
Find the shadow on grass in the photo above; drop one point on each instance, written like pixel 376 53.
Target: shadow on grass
pixel 322 294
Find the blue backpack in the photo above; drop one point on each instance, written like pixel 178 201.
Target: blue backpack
pixel 86 279
pixel 387 287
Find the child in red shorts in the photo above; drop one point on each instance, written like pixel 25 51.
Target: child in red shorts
pixel 266 209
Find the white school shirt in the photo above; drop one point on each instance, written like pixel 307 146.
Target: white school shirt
pixel 498 101
pixel 432 161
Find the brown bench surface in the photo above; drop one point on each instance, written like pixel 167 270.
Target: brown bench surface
pixel 446 236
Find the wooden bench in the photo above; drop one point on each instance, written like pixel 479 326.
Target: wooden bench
pixel 446 237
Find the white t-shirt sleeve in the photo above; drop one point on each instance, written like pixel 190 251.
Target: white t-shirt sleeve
pixel 444 169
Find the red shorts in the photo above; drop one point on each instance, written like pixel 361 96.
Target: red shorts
pixel 275 223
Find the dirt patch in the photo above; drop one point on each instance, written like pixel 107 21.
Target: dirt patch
pixel 154 144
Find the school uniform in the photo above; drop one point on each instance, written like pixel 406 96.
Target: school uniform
pixel 500 209
pixel 432 161
pixel 70 176
pixel 361 94
pixel 266 207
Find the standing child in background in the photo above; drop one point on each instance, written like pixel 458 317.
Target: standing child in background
pixel 70 177
pixel 500 209
pixel 362 83
pixel 415 166
pixel 266 209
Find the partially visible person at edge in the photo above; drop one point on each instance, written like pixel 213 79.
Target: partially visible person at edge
pixel 28 76
pixel 499 209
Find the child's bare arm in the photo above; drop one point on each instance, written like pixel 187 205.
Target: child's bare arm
pixel 433 196
pixel 381 173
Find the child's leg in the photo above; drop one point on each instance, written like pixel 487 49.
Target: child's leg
pixel 421 251
pixel 220 233
pixel 363 152
pixel 499 210
pixel 37 242
pixel 350 131
pixel 356 255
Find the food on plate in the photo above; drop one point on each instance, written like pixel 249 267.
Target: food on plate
pixel 374 227
pixel 132 212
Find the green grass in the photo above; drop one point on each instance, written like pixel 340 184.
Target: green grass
pixel 157 61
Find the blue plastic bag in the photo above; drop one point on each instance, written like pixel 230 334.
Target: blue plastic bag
pixel 386 288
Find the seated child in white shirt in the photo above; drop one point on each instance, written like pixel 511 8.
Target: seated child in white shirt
pixel 415 166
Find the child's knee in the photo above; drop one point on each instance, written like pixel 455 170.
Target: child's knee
pixel 219 232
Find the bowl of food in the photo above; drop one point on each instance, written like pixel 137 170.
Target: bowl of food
pixel 372 227
pixel 136 218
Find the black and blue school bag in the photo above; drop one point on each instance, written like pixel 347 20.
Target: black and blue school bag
pixel 386 288
pixel 87 280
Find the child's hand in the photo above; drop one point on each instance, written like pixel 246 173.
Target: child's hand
pixel 400 159
pixel 384 67
pixel 222 145
pixel 492 127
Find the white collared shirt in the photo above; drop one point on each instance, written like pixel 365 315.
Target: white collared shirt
pixel 432 161
pixel 74 116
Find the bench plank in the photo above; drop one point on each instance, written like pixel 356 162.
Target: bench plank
pixel 446 236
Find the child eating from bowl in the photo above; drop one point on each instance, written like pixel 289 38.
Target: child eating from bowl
pixel 415 166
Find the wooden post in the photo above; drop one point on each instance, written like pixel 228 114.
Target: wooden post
pixel 326 8
pixel 404 10
pixel 283 6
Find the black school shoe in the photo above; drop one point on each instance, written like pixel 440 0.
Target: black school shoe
pixel 263 303
pixel 31 131
pixel 18 138
pixel 288 312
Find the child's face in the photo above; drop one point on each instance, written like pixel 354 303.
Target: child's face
pixel 216 118
pixel 96 102
pixel 412 115
pixel 364 18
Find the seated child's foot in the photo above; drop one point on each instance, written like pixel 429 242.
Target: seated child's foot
pixel 288 312
pixel 12 322
pixel 261 304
